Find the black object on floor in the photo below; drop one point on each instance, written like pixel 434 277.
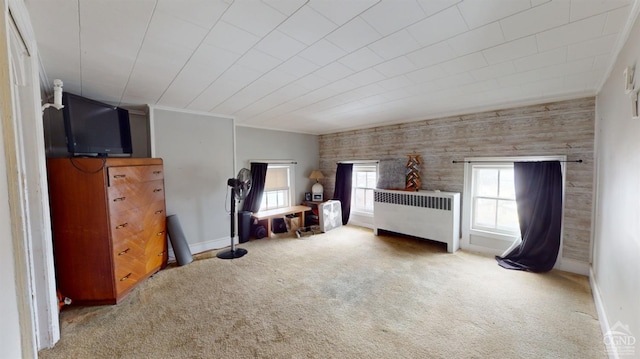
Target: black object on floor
pixel 178 242
pixel 244 226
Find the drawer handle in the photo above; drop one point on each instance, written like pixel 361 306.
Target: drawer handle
pixel 160 233
pixel 119 199
pixel 122 225
pixel 119 176
pixel 124 252
pixel 157 190
pixel 125 277
pixel 161 254
pixel 159 211
pixel 157 172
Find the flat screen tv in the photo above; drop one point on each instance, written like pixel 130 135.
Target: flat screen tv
pixel 94 128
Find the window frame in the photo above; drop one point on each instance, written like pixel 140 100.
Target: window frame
pixel 492 242
pixel 474 197
pixel 369 167
pixel 290 191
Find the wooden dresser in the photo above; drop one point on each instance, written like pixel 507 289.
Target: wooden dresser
pixel 109 225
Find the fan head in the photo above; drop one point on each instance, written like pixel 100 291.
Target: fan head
pixel 242 184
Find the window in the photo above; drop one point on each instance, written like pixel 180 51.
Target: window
pixel 363 183
pixel 494 199
pixel 278 190
pixel 490 221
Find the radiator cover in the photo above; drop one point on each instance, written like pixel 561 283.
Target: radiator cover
pixel 425 214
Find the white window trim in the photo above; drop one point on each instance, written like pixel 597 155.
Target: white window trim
pixel 466 202
pixel 353 208
pixel 292 175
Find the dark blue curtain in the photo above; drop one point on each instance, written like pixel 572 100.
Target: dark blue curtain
pixel 343 189
pixel 258 176
pixel 539 201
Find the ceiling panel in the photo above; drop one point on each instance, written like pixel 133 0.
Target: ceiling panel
pixel 307 26
pixel 326 65
pixel 389 16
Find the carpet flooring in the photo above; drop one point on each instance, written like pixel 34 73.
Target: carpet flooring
pixel 342 294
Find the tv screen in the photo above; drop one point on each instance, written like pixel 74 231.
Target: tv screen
pixel 94 128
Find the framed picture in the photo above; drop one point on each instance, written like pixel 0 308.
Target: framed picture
pixel 307 196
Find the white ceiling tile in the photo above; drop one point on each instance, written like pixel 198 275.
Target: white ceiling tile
pixel 312 82
pixel 542 59
pixel 591 48
pixel 581 9
pixel 616 20
pixel 395 45
pixel 366 77
pixel 543 17
pixel 190 82
pixel 572 67
pixel 340 11
pixel 307 26
pixel 479 13
pixel 494 71
pixel 279 45
pixel 399 65
pixel 232 38
pixel 535 3
pixel 477 39
pixel 438 27
pixel 432 55
pixel 572 33
pixel 511 50
pixel 334 71
pixel 464 63
pixel 298 66
pixel 353 35
pixel 602 62
pixel 176 31
pixel 258 60
pixel 389 16
pixel 395 83
pixel 322 52
pixel 253 16
pixel 427 74
pixel 231 81
pixel 203 13
pixel 216 58
pixel 361 59
pixel 286 7
pixel 341 86
pixel 431 7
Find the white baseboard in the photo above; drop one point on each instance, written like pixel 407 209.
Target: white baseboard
pixel 204 246
pixel 612 351
pixel 573 266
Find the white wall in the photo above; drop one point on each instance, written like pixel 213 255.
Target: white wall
pixel 197 150
pixel 616 249
pixel 260 144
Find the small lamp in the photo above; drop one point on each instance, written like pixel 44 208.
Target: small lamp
pixel 317 189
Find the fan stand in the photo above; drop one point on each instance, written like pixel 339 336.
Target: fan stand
pixel 233 252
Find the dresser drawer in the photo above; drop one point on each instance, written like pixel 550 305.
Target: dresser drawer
pixel 155 254
pixel 128 267
pixel 132 174
pixel 133 195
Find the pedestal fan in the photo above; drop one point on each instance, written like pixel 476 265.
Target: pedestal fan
pixel 240 187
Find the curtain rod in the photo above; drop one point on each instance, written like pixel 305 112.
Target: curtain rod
pixel 274 161
pixel 358 161
pixel 454 161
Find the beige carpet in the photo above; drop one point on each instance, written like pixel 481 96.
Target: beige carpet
pixel 342 294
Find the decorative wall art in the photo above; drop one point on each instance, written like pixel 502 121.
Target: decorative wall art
pixel 413 173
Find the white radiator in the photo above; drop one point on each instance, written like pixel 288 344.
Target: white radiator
pixel 425 214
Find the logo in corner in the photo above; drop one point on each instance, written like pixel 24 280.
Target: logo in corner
pixel 620 339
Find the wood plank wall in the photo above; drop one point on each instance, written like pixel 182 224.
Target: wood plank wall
pixel 558 128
